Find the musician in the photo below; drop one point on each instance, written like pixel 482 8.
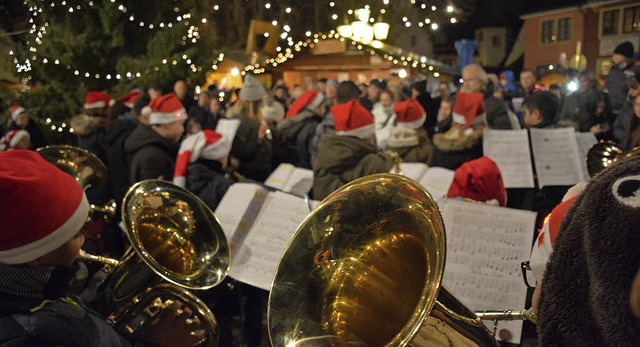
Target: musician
pixel 479 180
pixel 408 138
pixel 42 211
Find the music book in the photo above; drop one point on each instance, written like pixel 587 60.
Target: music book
pixel 585 140
pixel 228 127
pixel 485 246
pixel 436 180
pixel 509 149
pixel 556 156
pixel 291 179
pixel 258 224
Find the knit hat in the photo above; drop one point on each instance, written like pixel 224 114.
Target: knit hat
pixel 206 144
pixel 478 180
pixel 130 98
pixel 468 109
pixel 409 114
pixel 402 137
pixel 166 109
pixel 13 137
pixel 272 110
pixel 97 100
pixel 310 100
pixel 252 90
pixel 41 209
pixel 352 119
pixel 16 111
pixel 625 49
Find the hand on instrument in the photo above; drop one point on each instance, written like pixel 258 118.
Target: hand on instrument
pixel 175 328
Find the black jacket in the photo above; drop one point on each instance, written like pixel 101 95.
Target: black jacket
pixel 255 159
pixel 119 130
pixel 150 156
pixel 206 179
pixel 297 134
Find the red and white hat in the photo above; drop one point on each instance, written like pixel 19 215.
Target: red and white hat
pixel 166 109
pixel 16 111
pixel 409 114
pixel 478 180
pixel 469 109
pixel 352 119
pixel 31 225
pixel 13 137
pixel 206 144
pixel 97 100
pixel 310 100
pixel 130 98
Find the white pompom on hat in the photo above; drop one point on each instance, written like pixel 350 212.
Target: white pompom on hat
pixel 206 144
pixel 41 209
pixel 166 109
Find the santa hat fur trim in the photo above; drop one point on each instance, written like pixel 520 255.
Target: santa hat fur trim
pixel 13 137
pixel 351 119
pixel 130 98
pixel 30 227
pixel 16 111
pixel 166 109
pixel 467 108
pixel 409 114
pixel 206 144
pixel 310 100
pixel 97 100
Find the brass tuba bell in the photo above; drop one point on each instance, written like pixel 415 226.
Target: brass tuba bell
pixel 365 269
pixel 605 154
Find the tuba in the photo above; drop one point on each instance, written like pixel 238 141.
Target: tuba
pixel 605 154
pixel 365 269
pixel 86 168
pixel 176 244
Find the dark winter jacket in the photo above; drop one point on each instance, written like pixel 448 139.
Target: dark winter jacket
pixel 91 132
pixel 342 159
pixel 150 156
pixel 615 83
pixel 206 179
pixel 297 134
pixel 497 116
pixel 255 159
pixel 621 124
pixel 327 126
pixel 119 130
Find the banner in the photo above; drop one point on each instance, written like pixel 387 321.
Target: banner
pixel 465 49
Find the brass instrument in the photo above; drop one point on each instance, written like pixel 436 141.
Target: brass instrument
pixel 86 168
pixel 365 268
pixel 605 154
pixel 397 160
pixel 174 238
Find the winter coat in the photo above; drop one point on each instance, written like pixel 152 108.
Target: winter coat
pixel 342 159
pixel 150 156
pixel 615 83
pixel 255 159
pixel 297 133
pixel 206 179
pixel 420 153
pixel 326 127
pixel 91 131
pixel 621 124
pixel 119 130
pixel 497 115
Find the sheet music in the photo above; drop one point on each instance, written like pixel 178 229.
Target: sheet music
pixel 413 170
pixel 238 210
pixel 485 246
pixel 556 156
pixel 228 127
pixel 509 149
pixel 585 141
pixel 260 253
pixel 437 181
pixel 300 182
pixel 279 177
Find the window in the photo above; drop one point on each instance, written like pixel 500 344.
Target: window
pixel 564 29
pixel 631 20
pixel 610 22
pixel 547 32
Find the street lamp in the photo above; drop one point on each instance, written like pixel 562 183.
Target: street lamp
pixel 361 30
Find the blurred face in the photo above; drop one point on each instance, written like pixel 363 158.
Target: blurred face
pixel 530 118
pixel 23 144
pixel 153 93
pixel 204 100
pixel 330 92
pixel 22 120
pixel 471 83
pixel 373 92
pixel 279 93
pixel 385 99
pixel 443 89
pixel 636 106
pixel 618 59
pixel 180 89
pixel 583 84
pixel 172 131
pixel 527 80
pixel 64 255
pixel 445 111
pixel 214 106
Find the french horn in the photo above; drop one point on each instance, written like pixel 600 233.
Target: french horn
pixel 365 269
pixel 605 154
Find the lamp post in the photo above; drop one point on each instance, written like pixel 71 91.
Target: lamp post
pixel 360 30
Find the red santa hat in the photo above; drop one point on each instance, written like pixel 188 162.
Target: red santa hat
pixel 351 119
pixel 310 100
pixel 166 109
pixel 206 144
pixel 97 100
pixel 13 137
pixel 130 98
pixel 41 207
pixel 478 180
pixel 409 114
pixel 16 111
pixel 469 109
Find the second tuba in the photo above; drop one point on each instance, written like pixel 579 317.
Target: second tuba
pixel 365 269
pixel 605 154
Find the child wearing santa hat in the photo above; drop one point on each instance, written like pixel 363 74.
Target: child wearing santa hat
pixel 298 129
pixel 408 137
pixel 38 248
pixel 349 153
pixel 15 139
pixel 20 120
pixel 152 149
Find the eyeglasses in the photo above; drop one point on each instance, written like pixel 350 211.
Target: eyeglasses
pixel 526 271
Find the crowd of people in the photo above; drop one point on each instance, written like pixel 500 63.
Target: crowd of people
pixel 340 130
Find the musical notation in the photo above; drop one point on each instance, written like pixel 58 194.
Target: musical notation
pixel 509 149
pixel 556 156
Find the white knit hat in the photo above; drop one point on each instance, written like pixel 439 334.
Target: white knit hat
pixel 252 89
